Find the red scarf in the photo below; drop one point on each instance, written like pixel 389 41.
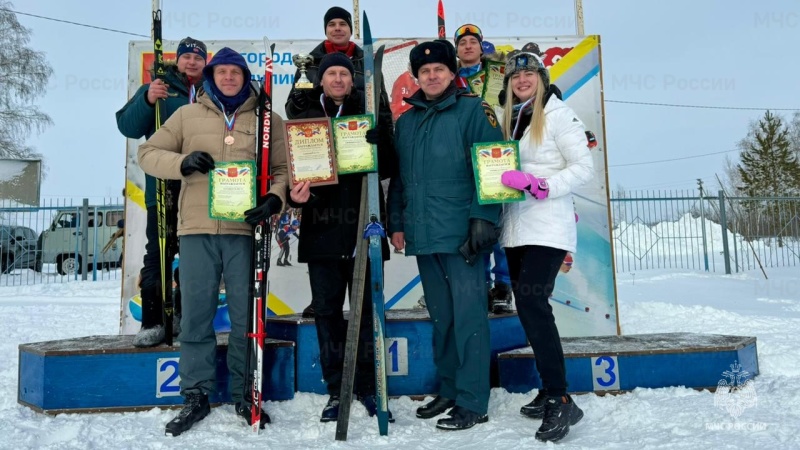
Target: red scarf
pixel 348 49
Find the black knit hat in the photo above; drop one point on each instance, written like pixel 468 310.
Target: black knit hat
pixel 438 51
pixel 338 13
pixel 335 59
pixel 191 45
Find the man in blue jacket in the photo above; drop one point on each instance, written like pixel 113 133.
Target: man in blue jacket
pixel 434 212
pixel 136 120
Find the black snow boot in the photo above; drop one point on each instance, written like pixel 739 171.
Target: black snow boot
pixel 535 409
pixel 559 414
pixel 331 411
pixel 244 411
pixel 195 409
pixel 461 419
pixel 501 299
pixel 435 407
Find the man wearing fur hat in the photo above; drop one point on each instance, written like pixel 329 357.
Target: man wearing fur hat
pixel 433 212
pixel 220 126
pixel 136 120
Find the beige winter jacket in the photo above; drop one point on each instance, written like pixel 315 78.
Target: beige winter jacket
pixel 201 127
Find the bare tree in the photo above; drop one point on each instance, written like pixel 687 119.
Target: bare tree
pixel 24 74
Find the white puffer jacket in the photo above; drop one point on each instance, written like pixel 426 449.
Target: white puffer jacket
pixel 564 160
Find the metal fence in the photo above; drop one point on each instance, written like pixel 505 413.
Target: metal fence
pixel 684 229
pixel 64 241
pixel 61 241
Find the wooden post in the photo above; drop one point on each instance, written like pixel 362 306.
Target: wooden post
pixel 579 17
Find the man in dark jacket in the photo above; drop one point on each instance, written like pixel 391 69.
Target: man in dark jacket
pixel 338 31
pixel 328 234
pixel 136 120
pixel 434 211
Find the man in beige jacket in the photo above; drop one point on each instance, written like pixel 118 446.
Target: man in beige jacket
pixel 221 126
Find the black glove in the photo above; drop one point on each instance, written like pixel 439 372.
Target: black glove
pixel 197 161
pixel 299 99
pixel 270 205
pixel 372 136
pixel 482 235
pixel 501 97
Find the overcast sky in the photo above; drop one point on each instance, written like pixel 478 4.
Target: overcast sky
pixel 725 53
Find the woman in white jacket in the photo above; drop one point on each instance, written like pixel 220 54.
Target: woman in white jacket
pixel 538 232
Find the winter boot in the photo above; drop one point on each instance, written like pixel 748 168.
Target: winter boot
pixel 461 419
pixel 435 407
pixel 501 299
pixel 559 414
pixel 371 403
pixel 309 312
pixel 244 411
pixel 149 337
pixel 280 263
pixel 331 411
pixel 195 409
pixel 535 409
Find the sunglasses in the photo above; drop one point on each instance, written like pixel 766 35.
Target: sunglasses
pixel 468 29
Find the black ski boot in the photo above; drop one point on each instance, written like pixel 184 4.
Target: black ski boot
pixel 501 299
pixel 535 409
pixel 243 410
pixel 309 312
pixel 371 403
pixel 559 414
pixel 435 407
pixel 461 419
pixel 195 409
pixel 331 411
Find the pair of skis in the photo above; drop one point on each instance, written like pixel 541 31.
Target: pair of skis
pixel 165 203
pixel 262 235
pixel 368 247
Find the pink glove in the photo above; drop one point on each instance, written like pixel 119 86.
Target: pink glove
pixel 523 181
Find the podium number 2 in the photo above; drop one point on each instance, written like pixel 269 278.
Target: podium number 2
pixel 167 378
pixel 605 373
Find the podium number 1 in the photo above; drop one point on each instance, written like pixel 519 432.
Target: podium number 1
pixel 397 356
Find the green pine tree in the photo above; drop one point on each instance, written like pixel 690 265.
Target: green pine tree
pixel 769 167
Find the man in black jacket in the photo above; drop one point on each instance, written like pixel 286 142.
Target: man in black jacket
pixel 328 234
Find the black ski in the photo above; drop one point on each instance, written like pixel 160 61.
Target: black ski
pixel 167 220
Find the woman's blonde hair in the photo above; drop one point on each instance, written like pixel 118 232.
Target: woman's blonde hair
pixel 537 120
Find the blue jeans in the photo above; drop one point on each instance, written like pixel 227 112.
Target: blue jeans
pixel 500 268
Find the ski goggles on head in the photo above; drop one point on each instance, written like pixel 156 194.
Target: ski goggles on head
pixel 468 30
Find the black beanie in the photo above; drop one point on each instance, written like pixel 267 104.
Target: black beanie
pixel 438 51
pixel 338 13
pixel 336 59
pixel 191 45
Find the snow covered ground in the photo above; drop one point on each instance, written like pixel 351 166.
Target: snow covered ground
pixel 650 301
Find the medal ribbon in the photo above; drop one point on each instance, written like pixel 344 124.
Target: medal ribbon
pixel 521 108
pixel 322 102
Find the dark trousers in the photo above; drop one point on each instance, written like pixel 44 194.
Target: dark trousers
pixel 533 271
pixel 329 282
pixel 455 295
pixel 284 253
pixel 206 259
pixel 152 309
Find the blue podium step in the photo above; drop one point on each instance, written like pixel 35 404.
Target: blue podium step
pixel 107 373
pixel 409 349
pixel 607 364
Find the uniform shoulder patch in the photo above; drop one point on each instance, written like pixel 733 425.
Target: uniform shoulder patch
pixel 490 115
